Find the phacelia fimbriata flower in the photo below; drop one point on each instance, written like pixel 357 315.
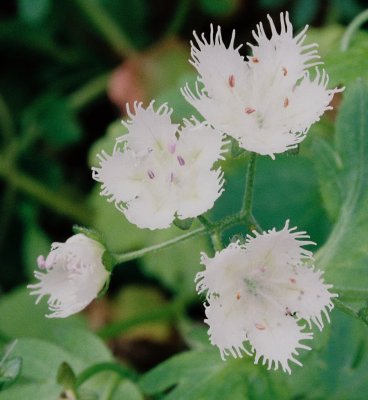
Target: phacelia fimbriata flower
pixel 268 102
pixel 72 275
pixel 263 295
pixel 159 171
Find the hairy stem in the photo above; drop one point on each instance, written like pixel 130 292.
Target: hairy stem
pixel 249 185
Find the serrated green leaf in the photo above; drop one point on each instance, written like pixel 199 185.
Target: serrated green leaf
pixel 33 11
pixel 219 7
pixel 344 257
pixel 200 375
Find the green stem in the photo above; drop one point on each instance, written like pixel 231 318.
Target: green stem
pixel 213 232
pixel 108 28
pixel 246 209
pixel 216 241
pixel 216 226
pixel 55 201
pixel 102 367
pixel 354 25
pixel 178 19
pixel 6 122
pixel 165 313
pixel 90 91
pixel 120 258
pixel 111 388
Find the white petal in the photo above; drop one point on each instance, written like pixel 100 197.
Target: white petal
pixel 200 145
pixel 149 129
pixel 121 179
pixel 275 338
pixel 309 101
pixel 226 328
pixel 221 68
pixel 198 191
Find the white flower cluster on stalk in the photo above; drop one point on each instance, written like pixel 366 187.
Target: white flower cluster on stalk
pixel 159 170
pixel 72 275
pixel 267 102
pixel 264 292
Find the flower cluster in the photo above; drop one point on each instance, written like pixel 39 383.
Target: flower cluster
pixel 262 296
pixel 261 292
pixel 158 171
pixel 72 275
pixel 268 102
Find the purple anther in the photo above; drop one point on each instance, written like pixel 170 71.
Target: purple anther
pixel 41 262
pixel 150 174
pixel 171 177
pixel 172 147
pixel 181 160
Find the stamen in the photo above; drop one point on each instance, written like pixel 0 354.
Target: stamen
pixel 255 60
pixel 181 160
pixel 41 262
pixel 171 177
pixel 292 280
pixel 171 147
pixel 150 174
pixel 284 71
pixel 286 102
pixel 260 327
pixel 232 81
pixel 237 296
pixel 249 110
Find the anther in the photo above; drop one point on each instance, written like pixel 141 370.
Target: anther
pixel 284 71
pixel 255 60
pixel 41 262
pixel 181 160
pixel 249 110
pixel 292 280
pixel 171 147
pixel 232 81
pixel 286 102
pixel 150 174
pixel 237 296
pixel 260 327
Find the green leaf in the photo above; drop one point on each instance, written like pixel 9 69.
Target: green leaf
pixel 198 375
pixel 33 11
pixel 18 310
pixel 9 371
pixel 344 257
pixel 343 67
pixel 39 391
pixel 66 376
pixel 219 7
pixel 127 390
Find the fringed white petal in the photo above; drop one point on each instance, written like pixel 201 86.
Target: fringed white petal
pixel 261 292
pixel 73 276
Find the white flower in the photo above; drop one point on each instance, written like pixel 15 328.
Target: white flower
pixel 73 275
pixel 261 292
pixel 158 171
pixel 269 101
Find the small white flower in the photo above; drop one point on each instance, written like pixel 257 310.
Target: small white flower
pixel 268 102
pixel 158 171
pixel 73 275
pixel 261 292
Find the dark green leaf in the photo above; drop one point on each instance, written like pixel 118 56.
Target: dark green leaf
pixel 66 376
pixel 344 257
